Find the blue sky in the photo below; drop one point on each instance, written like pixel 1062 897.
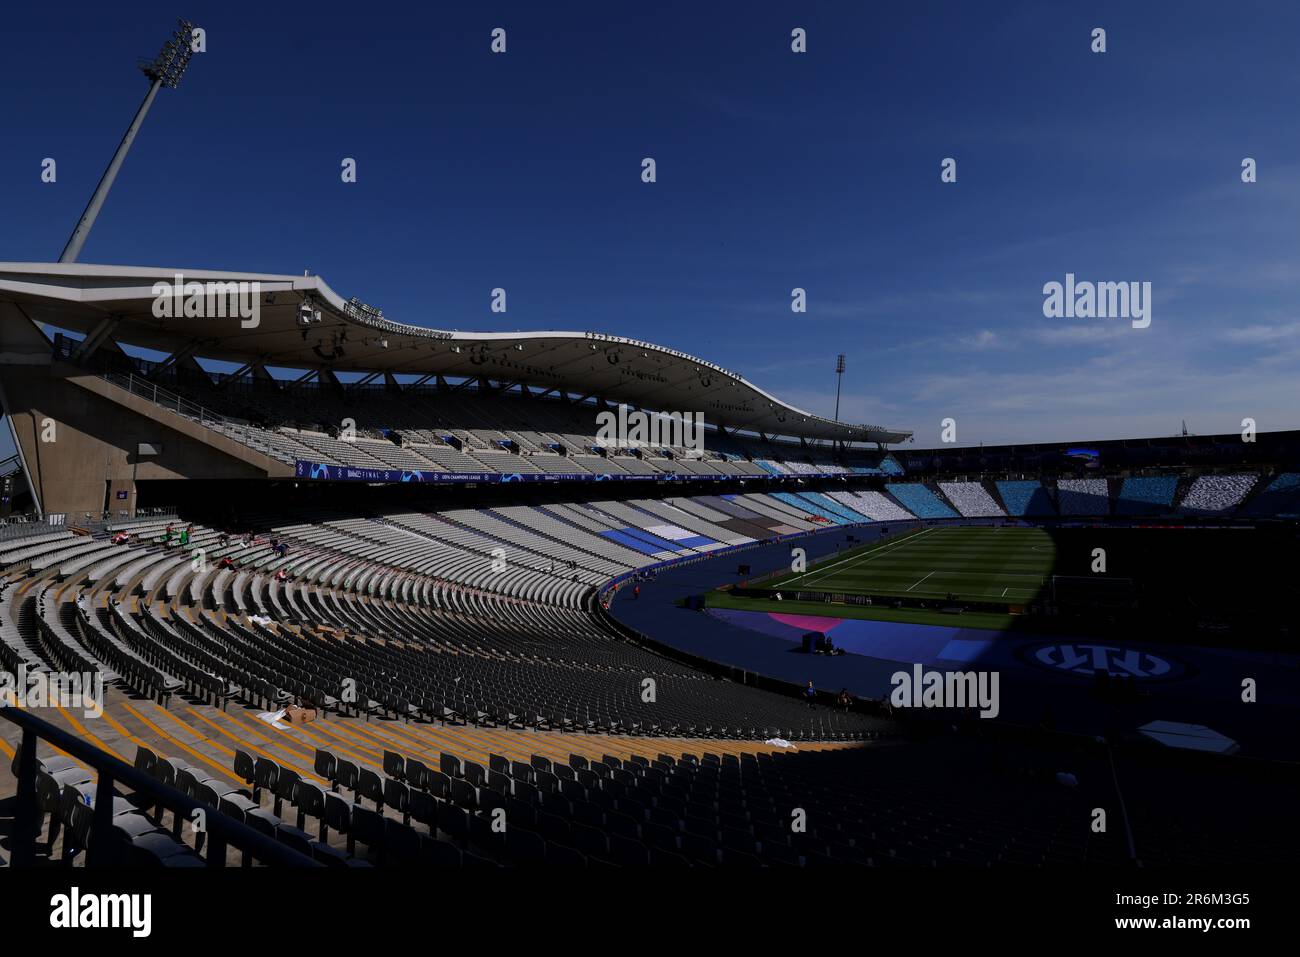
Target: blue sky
pixel 775 170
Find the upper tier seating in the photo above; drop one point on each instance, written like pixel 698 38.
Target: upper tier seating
pixel 1025 498
pixel 1217 494
pixel 1280 498
pixel 971 499
pixel 423 428
pixel 919 500
pixel 1146 495
pixel 1083 496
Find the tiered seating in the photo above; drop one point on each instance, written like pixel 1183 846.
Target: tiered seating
pixel 569 531
pixel 409 611
pixel 793 518
pixel 450 459
pixel 765 524
pixel 332 451
pixel 749 527
pixel 400 617
pixel 1146 494
pixel 1083 496
pixel 832 506
pixel 423 427
pixel 919 500
pixel 679 517
pixel 396 456
pixel 635 466
pixel 656 530
pixel 20 552
pixel 1025 498
pixel 1280 498
pixel 971 499
pixel 1217 494
pixel 863 806
pixel 557 464
pixel 809 509
pixel 874 505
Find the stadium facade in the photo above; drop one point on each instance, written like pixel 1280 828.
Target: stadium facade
pixel 108 435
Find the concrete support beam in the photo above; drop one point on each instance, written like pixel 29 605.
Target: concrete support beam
pixel 95 338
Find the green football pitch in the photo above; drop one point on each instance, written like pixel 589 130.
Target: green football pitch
pixel 972 563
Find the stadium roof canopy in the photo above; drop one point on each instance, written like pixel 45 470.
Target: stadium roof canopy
pixel 121 303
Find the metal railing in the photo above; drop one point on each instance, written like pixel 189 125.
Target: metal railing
pixel 22 526
pixel 222 830
pixel 231 428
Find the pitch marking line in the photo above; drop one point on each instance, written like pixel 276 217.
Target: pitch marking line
pixel 914 584
pixel 863 559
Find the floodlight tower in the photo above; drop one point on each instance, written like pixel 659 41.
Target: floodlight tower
pixel 166 70
pixel 839 379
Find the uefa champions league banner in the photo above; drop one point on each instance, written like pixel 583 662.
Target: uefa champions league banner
pixel 351 473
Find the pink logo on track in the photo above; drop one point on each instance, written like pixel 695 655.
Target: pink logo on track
pixel 807 622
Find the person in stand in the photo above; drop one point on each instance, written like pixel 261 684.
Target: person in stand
pixel 810 695
pixel 282 576
pixel 636 591
pixel 844 699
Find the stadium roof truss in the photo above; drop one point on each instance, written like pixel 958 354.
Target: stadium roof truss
pixel 120 303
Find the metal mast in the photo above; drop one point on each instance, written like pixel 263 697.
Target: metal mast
pixel 839 379
pixel 165 70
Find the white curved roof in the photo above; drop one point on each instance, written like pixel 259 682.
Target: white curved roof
pixel 79 296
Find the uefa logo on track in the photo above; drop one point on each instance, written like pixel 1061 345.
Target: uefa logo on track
pixel 1088 659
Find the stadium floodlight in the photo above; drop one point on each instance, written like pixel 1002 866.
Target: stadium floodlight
pixel 839 379
pixel 169 65
pixel 165 70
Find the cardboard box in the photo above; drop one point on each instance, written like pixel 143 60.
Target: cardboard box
pixel 296 715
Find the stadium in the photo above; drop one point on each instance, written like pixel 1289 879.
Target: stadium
pixel 359 592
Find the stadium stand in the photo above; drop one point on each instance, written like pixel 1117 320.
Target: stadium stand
pixel 832 506
pixel 408 607
pixel 919 500
pixel 811 509
pixel 1083 496
pixel 1025 498
pixel 1279 499
pixel 874 505
pixel 1217 494
pixel 1146 495
pixel 971 499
